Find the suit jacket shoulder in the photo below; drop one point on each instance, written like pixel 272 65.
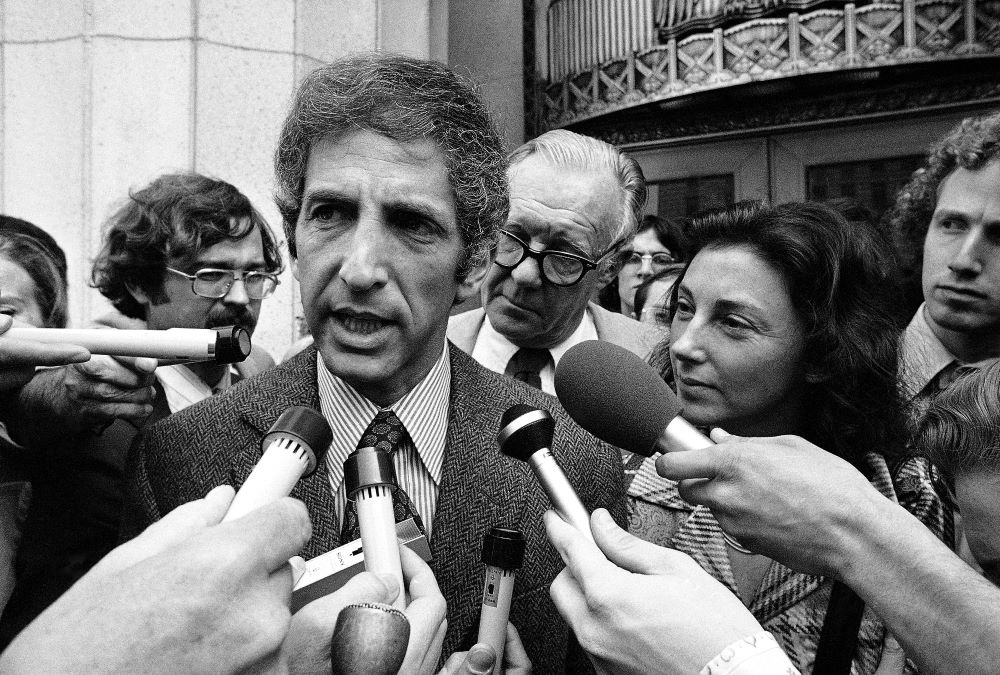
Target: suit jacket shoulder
pixel 638 338
pixel 463 329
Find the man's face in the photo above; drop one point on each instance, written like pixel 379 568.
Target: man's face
pixel 184 309
pixel 559 209
pixel 378 255
pixel 961 273
pixel 976 493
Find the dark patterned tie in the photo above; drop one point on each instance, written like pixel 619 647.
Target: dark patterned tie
pixel 526 365
pixel 386 432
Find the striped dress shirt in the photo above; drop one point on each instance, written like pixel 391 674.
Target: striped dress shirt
pixel 424 413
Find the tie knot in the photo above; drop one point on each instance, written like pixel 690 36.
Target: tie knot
pixel 527 364
pixel 385 432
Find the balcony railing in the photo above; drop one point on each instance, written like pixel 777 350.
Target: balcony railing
pixel 585 32
pixel 847 37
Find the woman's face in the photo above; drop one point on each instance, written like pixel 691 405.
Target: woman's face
pixel 737 345
pixel 632 274
pixel 18 294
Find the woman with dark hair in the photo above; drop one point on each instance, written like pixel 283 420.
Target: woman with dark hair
pixel 657 244
pixel 782 323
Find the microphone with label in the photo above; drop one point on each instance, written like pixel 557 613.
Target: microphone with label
pixel 618 397
pixel 229 344
pixel 368 479
pixel 293 447
pixel 503 553
pixel 526 434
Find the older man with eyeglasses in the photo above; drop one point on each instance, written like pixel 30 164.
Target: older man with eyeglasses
pixel 185 251
pixel 574 203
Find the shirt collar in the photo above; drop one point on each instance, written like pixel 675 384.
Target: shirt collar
pixel 423 411
pixel 501 349
pixel 923 355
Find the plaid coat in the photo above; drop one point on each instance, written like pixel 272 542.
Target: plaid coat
pixel 218 441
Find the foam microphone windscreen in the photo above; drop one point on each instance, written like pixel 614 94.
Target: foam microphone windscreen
pixel 615 395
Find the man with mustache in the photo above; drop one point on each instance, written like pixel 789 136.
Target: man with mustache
pixel 947 225
pixel 186 251
pixel 574 202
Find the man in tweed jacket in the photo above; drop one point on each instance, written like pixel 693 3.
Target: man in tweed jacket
pixel 392 188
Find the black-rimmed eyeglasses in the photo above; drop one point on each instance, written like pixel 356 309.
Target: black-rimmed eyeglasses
pixel 213 283
pixel 558 267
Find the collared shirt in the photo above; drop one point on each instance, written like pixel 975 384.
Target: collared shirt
pixel 183 388
pixel 493 350
pixel 926 364
pixel 424 413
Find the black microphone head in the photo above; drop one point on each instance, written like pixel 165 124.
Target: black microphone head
pixel 307 428
pixel 503 548
pixel 615 395
pixel 232 344
pixel 524 431
pixel 369 638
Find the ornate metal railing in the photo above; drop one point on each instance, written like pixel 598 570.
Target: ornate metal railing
pixel 848 37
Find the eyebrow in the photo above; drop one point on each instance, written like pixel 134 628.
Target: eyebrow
pixel 726 304
pixel 388 204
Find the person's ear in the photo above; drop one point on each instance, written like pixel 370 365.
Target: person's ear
pixel 473 281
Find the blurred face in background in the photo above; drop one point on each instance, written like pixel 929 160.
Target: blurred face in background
pixel 643 258
pixel 737 345
pixel 656 310
pixel 19 294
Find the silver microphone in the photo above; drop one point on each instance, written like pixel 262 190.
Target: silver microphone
pixel 526 434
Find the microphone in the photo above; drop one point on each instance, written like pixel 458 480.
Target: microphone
pixel 369 639
pixel 503 553
pixel 368 479
pixel 526 434
pixel 621 399
pixel 230 344
pixel 292 448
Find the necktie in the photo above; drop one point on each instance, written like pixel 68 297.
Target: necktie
pixel 526 365
pixel 385 432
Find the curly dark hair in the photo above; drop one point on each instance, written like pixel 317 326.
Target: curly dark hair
pixel 405 99
pixel 33 249
pixel 174 217
pixel 970 145
pixel 843 284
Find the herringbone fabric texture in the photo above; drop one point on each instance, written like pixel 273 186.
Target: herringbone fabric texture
pixel 218 441
pixel 386 432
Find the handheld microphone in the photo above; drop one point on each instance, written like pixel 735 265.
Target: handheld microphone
pixel 526 434
pixel 230 344
pixel 369 639
pixel 292 448
pixel 621 399
pixel 368 479
pixel 503 553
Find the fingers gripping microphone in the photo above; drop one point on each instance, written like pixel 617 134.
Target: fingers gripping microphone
pixel 618 397
pixel 526 434
pixel 368 479
pixel 292 449
pixel 503 553
pixel 369 639
pixel 230 344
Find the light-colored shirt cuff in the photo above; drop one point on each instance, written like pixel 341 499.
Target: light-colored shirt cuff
pixel 757 654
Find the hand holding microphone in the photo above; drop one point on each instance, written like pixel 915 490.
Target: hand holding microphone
pixel 503 554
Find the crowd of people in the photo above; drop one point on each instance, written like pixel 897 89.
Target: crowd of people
pixel 845 520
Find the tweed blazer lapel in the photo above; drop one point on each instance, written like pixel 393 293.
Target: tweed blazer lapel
pixel 297 386
pixel 480 489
